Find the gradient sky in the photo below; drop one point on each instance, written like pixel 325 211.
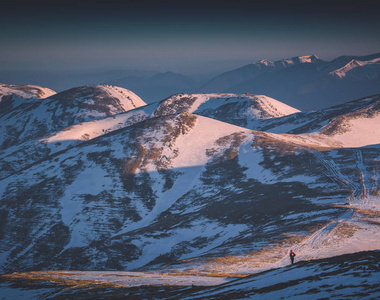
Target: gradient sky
pixel 181 36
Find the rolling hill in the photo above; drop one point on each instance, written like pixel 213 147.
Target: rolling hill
pixel 207 184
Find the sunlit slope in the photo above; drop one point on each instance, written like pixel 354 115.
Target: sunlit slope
pixel 7 91
pixel 24 122
pixel 172 188
pixel 37 129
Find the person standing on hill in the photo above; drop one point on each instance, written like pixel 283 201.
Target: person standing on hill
pixel 292 255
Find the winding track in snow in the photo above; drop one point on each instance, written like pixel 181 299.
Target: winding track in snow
pixel 334 173
pixel 362 170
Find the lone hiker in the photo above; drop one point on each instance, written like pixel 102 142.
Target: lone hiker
pixel 292 254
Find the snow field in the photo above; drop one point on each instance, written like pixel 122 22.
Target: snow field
pixel 203 137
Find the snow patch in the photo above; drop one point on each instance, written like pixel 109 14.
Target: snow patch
pixel 91 181
pixel 205 133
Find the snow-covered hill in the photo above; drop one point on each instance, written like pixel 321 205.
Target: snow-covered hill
pixel 243 110
pixel 353 124
pixel 254 112
pixel 36 117
pixel 24 122
pixel 184 185
pixel 355 129
pixel 24 91
pixel 187 186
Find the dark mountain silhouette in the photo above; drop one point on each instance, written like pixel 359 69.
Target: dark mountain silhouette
pixel 305 83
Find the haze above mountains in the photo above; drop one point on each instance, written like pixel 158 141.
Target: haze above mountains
pixel 305 82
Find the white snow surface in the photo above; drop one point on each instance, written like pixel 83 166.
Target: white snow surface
pixel 267 104
pixel 128 99
pixel 93 129
pixel 91 181
pixel 26 91
pixel 205 133
pixel 193 145
pixel 357 132
pixel 362 132
pixel 275 107
pixel 267 107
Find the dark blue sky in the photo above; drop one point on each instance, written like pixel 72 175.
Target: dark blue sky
pixel 182 36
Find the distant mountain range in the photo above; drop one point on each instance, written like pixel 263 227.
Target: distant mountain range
pixel 158 86
pixel 92 178
pixel 306 82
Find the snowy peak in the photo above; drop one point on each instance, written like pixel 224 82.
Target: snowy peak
pixel 359 70
pixel 176 141
pixel 238 109
pixel 227 80
pixel 265 62
pixel 342 61
pixel 25 91
pixel 309 59
pixel 305 82
pixel 289 62
pixel 109 99
pixel 37 118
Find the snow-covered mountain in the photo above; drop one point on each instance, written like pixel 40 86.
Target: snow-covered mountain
pixel 359 70
pixel 36 117
pixel 212 184
pixel 174 180
pixel 243 110
pixel 24 122
pixel 229 79
pixel 304 82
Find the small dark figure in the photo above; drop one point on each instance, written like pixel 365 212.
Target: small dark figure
pixel 292 254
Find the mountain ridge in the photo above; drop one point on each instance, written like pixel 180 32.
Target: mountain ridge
pixel 253 70
pixel 313 85
pixel 176 187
